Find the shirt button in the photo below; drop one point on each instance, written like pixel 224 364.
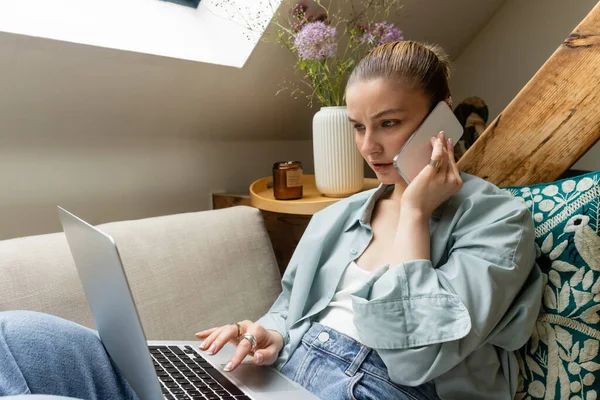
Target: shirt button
pixel 353 251
pixel 323 337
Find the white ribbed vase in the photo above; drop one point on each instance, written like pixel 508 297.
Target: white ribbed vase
pixel 339 168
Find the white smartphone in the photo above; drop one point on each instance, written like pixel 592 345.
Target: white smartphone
pixel 416 152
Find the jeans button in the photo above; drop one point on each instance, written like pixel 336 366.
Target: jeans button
pixel 323 337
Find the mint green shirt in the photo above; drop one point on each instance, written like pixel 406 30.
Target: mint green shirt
pixel 455 319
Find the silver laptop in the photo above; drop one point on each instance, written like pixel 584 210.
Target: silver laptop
pixel 158 369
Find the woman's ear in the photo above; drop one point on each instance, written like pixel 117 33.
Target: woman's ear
pixel 448 101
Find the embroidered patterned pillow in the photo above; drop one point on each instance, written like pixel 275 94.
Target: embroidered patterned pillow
pixel 561 360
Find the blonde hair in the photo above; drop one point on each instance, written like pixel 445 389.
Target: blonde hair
pixel 421 66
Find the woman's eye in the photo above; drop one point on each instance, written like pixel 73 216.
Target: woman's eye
pixel 388 123
pixel 359 127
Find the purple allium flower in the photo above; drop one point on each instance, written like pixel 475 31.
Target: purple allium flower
pixel 382 33
pixel 316 41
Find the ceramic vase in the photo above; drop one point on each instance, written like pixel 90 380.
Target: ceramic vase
pixel 339 168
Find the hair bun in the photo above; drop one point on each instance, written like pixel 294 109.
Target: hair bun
pixel 442 57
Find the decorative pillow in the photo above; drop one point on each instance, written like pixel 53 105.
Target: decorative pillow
pixel 561 360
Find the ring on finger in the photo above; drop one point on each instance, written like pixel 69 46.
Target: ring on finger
pixel 252 339
pixel 435 163
pixel 239 329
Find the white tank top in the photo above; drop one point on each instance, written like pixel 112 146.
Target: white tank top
pixel 339 313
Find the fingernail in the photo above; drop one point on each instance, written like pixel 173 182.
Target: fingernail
pixel 228 367
pixel 212 349
pixel 450 141
pixel 203 346
pixel 259 358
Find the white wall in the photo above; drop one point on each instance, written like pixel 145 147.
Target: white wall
pixel 117 135
pixel 511 48
pixel 119 178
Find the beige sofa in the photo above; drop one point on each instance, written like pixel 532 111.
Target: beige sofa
pixel 187 272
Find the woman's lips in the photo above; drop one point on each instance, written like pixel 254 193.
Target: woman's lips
pixel 381 167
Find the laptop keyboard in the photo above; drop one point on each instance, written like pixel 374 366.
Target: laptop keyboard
pixel 182 377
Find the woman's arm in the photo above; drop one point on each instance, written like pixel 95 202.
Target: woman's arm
pixel 424 320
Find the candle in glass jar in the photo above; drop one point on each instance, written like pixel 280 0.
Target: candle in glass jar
pixel 287 180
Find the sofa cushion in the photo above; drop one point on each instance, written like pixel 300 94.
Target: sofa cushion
pixel 187 272
pixel 561 360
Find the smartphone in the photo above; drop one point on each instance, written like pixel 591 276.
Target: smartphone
pixel 416 152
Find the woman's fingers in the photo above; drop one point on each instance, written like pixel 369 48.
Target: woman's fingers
pixel 211 337
pixel 451 160
pixel 242 350
pixel 206 333
pixel 227 333
pixel 266 356
pixel 439 154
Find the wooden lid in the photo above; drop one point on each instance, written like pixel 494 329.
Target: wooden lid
pixel 312 200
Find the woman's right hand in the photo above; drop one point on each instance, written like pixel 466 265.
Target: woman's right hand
pixel 268 343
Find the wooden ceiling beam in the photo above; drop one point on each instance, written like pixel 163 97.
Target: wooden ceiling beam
pixel 552 121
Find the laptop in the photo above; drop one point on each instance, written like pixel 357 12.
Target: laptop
pixel 162 369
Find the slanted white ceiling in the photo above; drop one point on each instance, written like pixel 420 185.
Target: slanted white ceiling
pixel 53 92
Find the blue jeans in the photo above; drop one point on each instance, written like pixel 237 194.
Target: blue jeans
pixel 334 366
pixel 43 354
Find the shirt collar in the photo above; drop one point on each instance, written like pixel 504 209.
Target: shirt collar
pixel 363 216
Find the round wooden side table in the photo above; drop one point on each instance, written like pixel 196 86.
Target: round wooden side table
pixel 261 197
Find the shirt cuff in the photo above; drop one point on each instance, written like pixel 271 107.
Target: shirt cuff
pixel 404 307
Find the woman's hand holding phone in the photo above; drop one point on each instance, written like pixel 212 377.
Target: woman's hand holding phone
pixel 434 185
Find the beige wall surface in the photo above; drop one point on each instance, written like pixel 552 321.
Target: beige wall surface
pixel 127 179
pixel 502 58
pixel 115 135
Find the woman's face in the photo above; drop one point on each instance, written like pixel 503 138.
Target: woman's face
pixel 384 115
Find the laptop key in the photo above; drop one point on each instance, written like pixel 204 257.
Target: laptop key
pixel 227 384
pixel 176 350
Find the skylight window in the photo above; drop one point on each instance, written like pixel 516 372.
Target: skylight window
pixel 187 3
pixel 205 34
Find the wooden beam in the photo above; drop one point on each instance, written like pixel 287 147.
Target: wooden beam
pixel 552 122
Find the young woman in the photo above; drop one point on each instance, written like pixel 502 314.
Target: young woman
pixel 419 291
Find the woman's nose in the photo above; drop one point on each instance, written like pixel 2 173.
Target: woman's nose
pixel 369 143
